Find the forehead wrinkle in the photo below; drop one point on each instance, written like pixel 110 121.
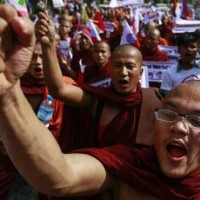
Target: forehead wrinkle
pixel 184 105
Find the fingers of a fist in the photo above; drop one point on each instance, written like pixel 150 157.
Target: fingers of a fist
pixel 7 12
pixel 2 38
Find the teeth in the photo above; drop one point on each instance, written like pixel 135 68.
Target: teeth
pixel 178 144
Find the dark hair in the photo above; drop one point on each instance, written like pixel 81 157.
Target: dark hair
pixel 186 38
pixel 197 33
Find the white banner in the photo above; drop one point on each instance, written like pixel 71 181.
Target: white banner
pixel 181 25
pixel 122 3
pixel 156 69
pixel 58 3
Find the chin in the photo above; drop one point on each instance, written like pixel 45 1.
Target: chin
pixel 177 173
pixel 39 78
pixel 174 171
pixel 123 92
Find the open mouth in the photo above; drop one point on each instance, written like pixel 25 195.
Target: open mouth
pixel 123 82
pixel 176 150
pixel 37 69
pixel 189 55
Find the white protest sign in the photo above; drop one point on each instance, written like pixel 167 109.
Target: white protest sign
pixel 172 51
pixel 156 69
pixel 144 79
pixel 102 83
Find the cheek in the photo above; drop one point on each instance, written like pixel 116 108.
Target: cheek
pixel 161 133
pixel 135 74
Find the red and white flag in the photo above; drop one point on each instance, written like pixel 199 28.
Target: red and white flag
pixel 93 30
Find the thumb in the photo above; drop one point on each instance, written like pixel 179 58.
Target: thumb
pixel 23 29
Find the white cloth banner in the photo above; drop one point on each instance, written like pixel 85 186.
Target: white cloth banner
pixel 122 3
pixel 20 6
pixel 128 37
pixel 157 68
pixel 58 3
pixel 181 25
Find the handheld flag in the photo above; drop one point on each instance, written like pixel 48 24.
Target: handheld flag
pixel 85 17
pixel 185 10
pixel 128 37
pixel 93 30
pixel 100 23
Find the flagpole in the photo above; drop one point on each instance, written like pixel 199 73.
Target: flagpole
pixel 46 1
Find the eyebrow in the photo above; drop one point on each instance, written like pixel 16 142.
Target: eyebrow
pixel 174 105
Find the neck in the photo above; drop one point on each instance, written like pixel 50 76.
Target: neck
pixel 187 64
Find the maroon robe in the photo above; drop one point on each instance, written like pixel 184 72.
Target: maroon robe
pixel 123 128
pixel 153 55
pixel 30 85
pixel 80 131
pixel 95 73
pixel 139 167
pixel 7 175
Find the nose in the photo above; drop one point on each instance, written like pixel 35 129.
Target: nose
pixel 124 71
pixel 180 126
pixel 38 59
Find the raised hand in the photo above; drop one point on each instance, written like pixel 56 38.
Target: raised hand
pixel 45 30
pixel 16 44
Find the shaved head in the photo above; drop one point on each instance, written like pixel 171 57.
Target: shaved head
pixel 155 32
pixel 127 48
pixel 187 89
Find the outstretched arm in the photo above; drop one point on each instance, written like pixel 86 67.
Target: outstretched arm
pixel 31 147
pixel 70 94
